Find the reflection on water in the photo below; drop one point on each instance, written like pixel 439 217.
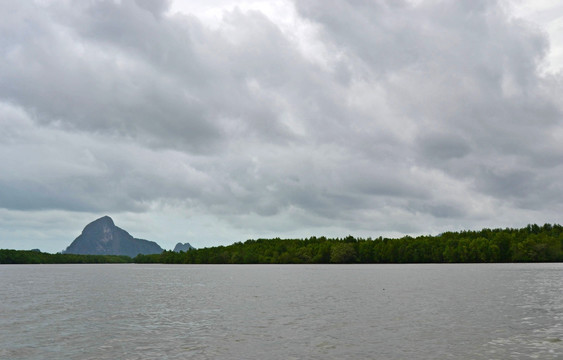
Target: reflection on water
pixel 497 311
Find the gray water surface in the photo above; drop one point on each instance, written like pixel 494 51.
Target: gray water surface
pixel 439 311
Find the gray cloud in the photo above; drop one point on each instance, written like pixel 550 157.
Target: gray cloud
pixel 442 147
pixel 410 118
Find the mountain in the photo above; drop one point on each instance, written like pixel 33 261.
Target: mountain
pixel 182 247
pixel 102 237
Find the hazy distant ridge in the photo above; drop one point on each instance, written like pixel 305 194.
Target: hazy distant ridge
pixel 182 247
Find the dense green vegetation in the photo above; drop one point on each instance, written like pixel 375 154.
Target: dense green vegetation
pixel 531 244
pixel 37 257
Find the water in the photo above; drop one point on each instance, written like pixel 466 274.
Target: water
pixel 497 311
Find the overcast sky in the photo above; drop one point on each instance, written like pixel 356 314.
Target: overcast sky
pixel 212 122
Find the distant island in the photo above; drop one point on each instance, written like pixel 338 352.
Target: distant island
pixel 102 237
pixel 532 243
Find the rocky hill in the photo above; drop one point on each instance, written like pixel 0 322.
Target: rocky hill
pixel 182 247
pixel 102 237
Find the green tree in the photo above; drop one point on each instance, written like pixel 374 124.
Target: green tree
pixel 342 252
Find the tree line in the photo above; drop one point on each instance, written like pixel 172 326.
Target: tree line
pixel 532 243
pixel 36 257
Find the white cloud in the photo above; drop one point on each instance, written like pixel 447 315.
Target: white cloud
pixel 546 15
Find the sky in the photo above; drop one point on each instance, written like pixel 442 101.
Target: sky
pixel 217 121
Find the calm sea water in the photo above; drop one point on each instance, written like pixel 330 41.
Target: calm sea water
pixel 498 311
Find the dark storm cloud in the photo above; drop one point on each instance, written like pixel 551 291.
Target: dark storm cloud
pixel 388 116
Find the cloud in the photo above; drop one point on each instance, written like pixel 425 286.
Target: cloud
pixel 50 168
pixel 308 117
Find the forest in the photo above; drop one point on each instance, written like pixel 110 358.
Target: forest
pixel 532 243
pixel 37 257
